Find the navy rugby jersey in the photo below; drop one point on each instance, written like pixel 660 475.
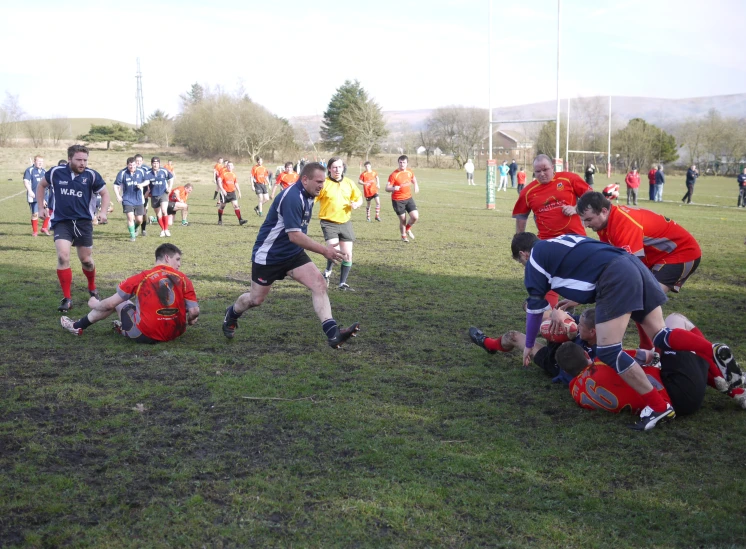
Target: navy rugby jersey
pixel 158 180
pixel 290 211
pixel 569 265
pixel 34 175
pixel 74 195
pixel 131 193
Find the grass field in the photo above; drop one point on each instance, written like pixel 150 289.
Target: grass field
pixel 410 436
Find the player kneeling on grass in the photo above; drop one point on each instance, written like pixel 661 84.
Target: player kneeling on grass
pixel 165 302
pixel 280 251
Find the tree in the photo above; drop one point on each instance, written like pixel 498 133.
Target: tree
pixel 195 94
pixel 107 134
pixel 459 131
pixel 640 144
pixel 59 127
pixel 36 130
pixel 11 114
pixel 159 129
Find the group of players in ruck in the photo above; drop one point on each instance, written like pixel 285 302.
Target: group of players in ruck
pixel 640 257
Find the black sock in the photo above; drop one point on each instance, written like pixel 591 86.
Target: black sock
pixel 82 323
pixel 343 274
pixel 329 265
pixel 220 215
pixel 330 328
pixel 144 222
pixel 231 314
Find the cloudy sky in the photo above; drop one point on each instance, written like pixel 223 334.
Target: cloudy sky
pixel 78 59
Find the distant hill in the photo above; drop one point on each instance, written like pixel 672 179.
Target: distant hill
pixel 661 112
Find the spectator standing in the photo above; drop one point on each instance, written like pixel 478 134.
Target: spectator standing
pixel 513 171
pixel 660 180
pixel 633 184
pixel 691 178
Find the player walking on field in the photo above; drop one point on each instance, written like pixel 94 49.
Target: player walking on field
pixel 280 251
pixel 284 179
pixel 75 188
pixel 259 180
pixel 400 185
pixel 165 302
pixel 229 190
pixel 31 179
pixel 336 201
pixel 217 170
pixel 161 181
pixel 128 188
pixel 143 170
pixel 369 180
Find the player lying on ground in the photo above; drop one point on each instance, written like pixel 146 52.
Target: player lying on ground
pixel 164 304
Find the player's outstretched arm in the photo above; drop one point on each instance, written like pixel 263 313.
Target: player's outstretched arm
pixel 101 309
pixel 307 243
pixel 192 316
pixel 105 200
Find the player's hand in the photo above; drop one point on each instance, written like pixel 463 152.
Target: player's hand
pixel 30 197
pixel 397 187
pixel 102 218
pixel 528 356
pixel 557 326
pixel 565 304
pixel 569 210
pixel 354 205
pixel 119 199
pixel 44 212
pixel 332 253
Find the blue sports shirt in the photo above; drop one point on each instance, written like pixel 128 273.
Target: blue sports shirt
pixel 74 195
pixel 291 211
pixel 35 175
pixel 131 193
pixel 159 181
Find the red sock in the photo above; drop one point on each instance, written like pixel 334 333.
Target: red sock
pixel 683 340
pixel 408 227
pixel 45 225
pixel 66 280
pixel 655 401
pixel 238 213
pixel 91 276
pixel 35 225
pixel 696 331
pixel 493 345
pixel 160 223
pixel 645 341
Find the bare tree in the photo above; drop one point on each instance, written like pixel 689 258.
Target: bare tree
pixel 11 114
pixel 59 128
pixel 363 126
pixel 458 130
pixel 36 130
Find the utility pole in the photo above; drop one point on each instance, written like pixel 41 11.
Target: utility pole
pixel 140 112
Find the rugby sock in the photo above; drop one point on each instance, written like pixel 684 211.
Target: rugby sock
pixel 144 222
pixel 66 280
pixel 367 212
pixel 346 266
pixel 407 227
pixel 492 344
pixel 329 265
pixel 91 276
pixel 45 225
pixel 83 323
pixel 35 225
pixel 238 214
pixel 163 222
pixel 131 229
pixel 679 339
pixel 232 314
pixel 378 211
pixel 330 328
pixel 643 356
pixel 220 215
pixel 645 341
pixel 137 226
pixel 696 331
pixel 655 401
pixel 553 298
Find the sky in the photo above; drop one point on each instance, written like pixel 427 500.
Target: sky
pixel 78 59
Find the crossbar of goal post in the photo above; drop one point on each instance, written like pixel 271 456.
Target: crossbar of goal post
pixel 492 164
pixel 587 152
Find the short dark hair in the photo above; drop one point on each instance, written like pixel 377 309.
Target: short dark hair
pixel 288 164
pixel 310 168
pixel 588 318
pixel 166 249
pixel 522 242
pixel 62 163
pixel 593 200
pixel 366 163
pixel 571 358
pixel 130 160
pixel 138 155
pixel 257 158
pixel 403 157
pixel 76 149
pixel 154 159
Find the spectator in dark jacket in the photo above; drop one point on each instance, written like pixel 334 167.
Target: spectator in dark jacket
pixel 691 178
pixel 513 170
pixel 660 180
pixel 651 181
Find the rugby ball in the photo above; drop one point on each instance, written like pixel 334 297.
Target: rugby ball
pixel 611 191
pixel 571 331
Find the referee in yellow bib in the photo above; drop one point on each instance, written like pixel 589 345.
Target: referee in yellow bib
pixel 336 201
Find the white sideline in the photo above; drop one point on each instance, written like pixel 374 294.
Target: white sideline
pixel 12 196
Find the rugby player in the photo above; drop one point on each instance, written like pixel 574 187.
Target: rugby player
pixel 369 180
pixel 161 181
pixel 280 251
pixel 177 202
pixel 164 302
pixel 586 271
pixel 336 201
pixel 400 185
pixel 31 178
pixel 259 183
pixel 229 192
pixel 142 169
pixel 128 187
pixel 284 179
pixel 217 170
pixel 75 187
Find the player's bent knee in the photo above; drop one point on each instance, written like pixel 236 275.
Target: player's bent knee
pixel 613 356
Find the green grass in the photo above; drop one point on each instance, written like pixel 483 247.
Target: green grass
pixel 410 436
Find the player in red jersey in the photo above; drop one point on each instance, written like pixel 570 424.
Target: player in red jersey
pixel 284 179
pixel 177 202
pixel 552 198
pixel 259 182
pixel 217 170
pixel 666 248
pixel 400 185
pixel 369 180
pixel 165 302
pixel 229 193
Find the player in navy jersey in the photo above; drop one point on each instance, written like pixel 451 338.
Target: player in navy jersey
pixel 143 169
pixel 128 186
pixel 31 178
pixel 161 181
pixel 75 188
pixel 585 270
pixel 280 251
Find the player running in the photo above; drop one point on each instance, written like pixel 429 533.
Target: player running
pixel 75 187
pixel 31 178
pixel 165 302
pixel 259 175
pixel 161 181
pixel 128 187
pixel 369 180
pixel 280 251
pixel 400 185
pixel 229 190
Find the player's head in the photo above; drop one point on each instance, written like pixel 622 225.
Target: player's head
pixel 572 358
pixel 336 167
pixel 367 166
pixel 77 158
pixel 403 161
pixel 62 163
pixel 312 177
pixel 38 161
pixel 543 169
pixel 138 159
pixel 131 165
pixel 593 209
pixel 169 254
pixel 220 160
pixel 229 166
pixel 155 162
pixel 660 167
pixel 288 167
pixel 188 188
pixel 522 245
pixel 694 166
pixel 259 160
pixel 587 326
